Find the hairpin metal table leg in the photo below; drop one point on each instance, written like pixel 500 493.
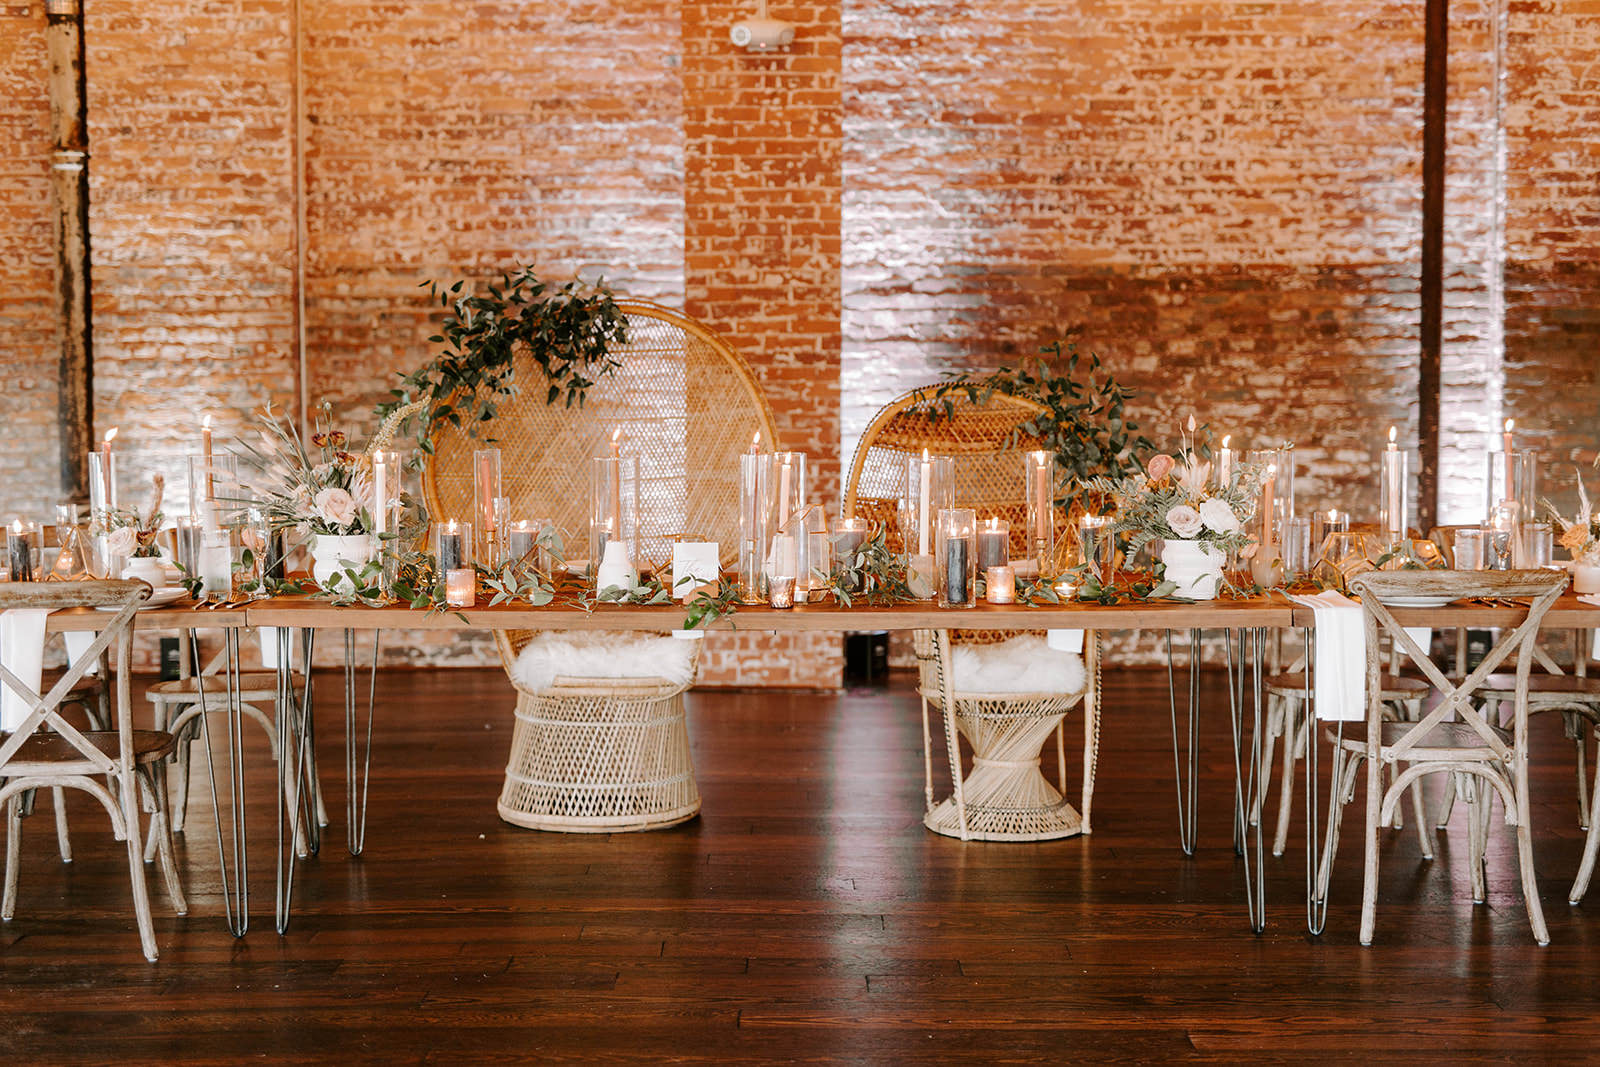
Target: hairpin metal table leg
pixel 295 815
pixel 356 787
pixel 1187 785
pixel 235 891
pixel 1255 887
pixel 1316 896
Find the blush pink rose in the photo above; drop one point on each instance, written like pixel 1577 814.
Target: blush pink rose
pixel 1160 466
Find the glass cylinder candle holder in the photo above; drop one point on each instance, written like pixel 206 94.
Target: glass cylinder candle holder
pixel 994 544
pixel 1536 540
pixel 1393 507
pixel 786 493
pixel 754 511
pixel 848 538
pixel 1500 537
pixel 219 547
pixel 1298 553
pixel 452 546
pixel 812 576
pixel 929 489
pixel 1511 476
pixel 522 546
pixel 1000 585
pixel 955 565
pixel 487 491
pixel 1096 543
pixel 1284 484
pixel 614 510
pixel 1039 487
pixel 213 486
pixel 1324 523
pixel 1467 550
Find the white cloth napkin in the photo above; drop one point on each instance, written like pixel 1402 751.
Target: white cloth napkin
pixel 269 646
pixel 22 653
pixel 1339 681
pixel 1593 599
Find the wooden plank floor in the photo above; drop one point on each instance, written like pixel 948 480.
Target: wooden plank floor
pixel 806 915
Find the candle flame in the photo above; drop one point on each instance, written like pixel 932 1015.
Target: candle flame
pixel 205 423
pixel 755 442
pixel 1391 435
pixel 111 433
pixel 1225 439
pixel 1333 514
pixel 1509 424
pixel 924 455
pixel 1191 423
pixel 16 527
pixel 994 523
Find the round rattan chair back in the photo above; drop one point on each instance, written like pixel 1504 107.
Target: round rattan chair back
pixel 687 406
pixel 986 438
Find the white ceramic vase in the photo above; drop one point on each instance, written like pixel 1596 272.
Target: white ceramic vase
pixel 148 569
pixel 1195 566
pixel 332 554
pixel 1585 578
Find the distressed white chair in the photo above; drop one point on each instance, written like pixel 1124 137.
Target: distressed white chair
pixel 604 755
pixel 47 752
pixel 1482 758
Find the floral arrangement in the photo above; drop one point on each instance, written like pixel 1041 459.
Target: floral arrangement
pixel 1580 535
pixel 325 490
pixel 1173 499
pixel 130 532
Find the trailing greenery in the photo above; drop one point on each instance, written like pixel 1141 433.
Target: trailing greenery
pixel 1085 422
pixel 709 603
pixel 567 331
pixel 871 574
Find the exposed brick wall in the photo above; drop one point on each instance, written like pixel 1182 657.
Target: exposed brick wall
pixel 191 219
pixel 28 332
pixel 1552 329
pixel 762 142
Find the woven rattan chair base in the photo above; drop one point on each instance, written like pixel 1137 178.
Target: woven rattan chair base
pixel 606 756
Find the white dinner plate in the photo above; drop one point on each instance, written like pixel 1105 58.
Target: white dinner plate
pixel 1434 600
pixel 159 599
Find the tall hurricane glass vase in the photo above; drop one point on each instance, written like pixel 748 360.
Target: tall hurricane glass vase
pixel 929 489
pixel 755 470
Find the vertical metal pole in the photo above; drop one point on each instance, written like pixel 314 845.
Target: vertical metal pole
pixel 1435 96
pixel 69 197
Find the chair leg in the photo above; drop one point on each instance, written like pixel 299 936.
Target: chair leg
pixel 141 891
pixel 1447 803
pixel 1477 837
pixel 1369 879
pixel 1530 880
pixel 1345 768
pixel 1591 844
pixel 1274 728
pixel 1419 807
pixel 1292 730
pixel 161 834
pixel 1580 742
pixel 63 836
pixel 8 904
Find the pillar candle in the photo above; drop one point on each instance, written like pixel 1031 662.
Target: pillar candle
pixel 1511 463
pixel 18 553
pixel 450 547
pixel 205 454
pixel 460 587
pixel 956 555
pixel 922 504
pixel 993 544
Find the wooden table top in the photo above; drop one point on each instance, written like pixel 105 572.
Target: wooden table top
pixel 1267 611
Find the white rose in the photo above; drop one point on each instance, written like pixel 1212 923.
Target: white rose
pixel 120 542
pixel 1219 517
pixel 1184 520
pixel 335 507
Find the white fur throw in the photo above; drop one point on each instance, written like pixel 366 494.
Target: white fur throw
pixel 1024 664
pixel 602 655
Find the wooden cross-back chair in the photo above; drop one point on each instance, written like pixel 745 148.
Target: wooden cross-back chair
pixel 47 751
pixel 1453 737
pixel 687 406
pixel 987 439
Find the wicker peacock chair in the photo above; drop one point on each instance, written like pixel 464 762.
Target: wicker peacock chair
pixel 987 439
pixel 596 755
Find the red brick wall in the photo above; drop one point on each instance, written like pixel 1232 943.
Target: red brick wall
pixel 762 143
pixel 1552 363
pixel 28 335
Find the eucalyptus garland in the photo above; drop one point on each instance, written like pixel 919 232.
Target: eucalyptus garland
pixel 1085 420
pixel 567 331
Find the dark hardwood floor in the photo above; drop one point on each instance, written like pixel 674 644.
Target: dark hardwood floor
pixel 806 915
